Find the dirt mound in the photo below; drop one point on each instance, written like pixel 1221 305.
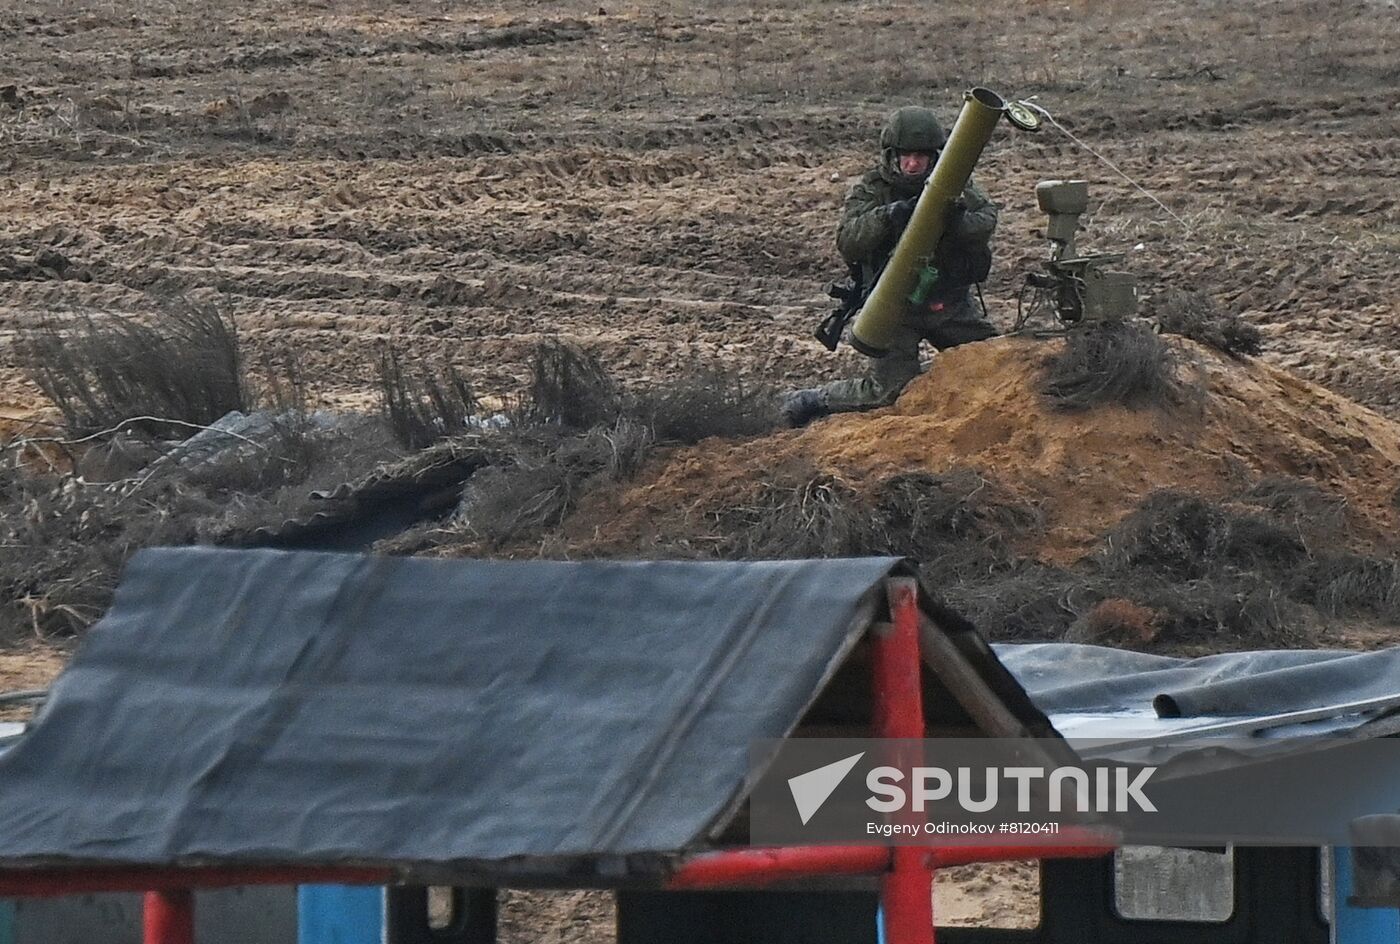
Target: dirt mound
pixel 979 408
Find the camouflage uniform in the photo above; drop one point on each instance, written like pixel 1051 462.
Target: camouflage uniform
pixel 867 236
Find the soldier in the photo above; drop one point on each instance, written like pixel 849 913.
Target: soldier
pixel 876 211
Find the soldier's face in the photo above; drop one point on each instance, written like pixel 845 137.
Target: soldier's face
pixel 914 163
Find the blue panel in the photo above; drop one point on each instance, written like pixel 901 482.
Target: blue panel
pixel 1359 925
pixel 340 914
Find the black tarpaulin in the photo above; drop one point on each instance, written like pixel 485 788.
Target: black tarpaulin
pixel 305 708
pixel 1065 677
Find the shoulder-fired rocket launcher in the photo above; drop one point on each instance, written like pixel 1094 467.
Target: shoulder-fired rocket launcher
pixel 911 261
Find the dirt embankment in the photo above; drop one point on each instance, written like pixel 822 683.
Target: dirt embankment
pixel 979 407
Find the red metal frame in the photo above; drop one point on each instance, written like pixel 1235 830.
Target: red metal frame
pixel 906 872
pixel 754 867
pixel 169 917
pixel 906 889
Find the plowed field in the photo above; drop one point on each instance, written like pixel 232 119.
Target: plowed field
pixel 660 183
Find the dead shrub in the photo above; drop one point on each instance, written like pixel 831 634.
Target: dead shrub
pixel 1180 572
pixel 1344 583
pixel 423 406
pixel 1195 315
pixel 709 402
pixel 65 545
pixel 1116 622
pixel 1119 363
pixel 569 388
pixel 1236 611
pixel 1300 504
pixel 543 481
pixel 66 539
pixel 1022 599
pixel 799 512
pixel 184 363
pixel 1187 537
pixel 1263 576
pixel 959 522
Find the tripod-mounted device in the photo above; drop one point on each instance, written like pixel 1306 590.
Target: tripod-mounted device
pixel 1073 289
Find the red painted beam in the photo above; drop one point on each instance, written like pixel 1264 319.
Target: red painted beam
pixel 47 883
pixel 898 709
pixel 906 890
pixel 169 917
pixel 757 867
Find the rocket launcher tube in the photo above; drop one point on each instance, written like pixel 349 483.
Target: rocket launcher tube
pixel 888 300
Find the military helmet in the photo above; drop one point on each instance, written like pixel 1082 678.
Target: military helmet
pixel 912 128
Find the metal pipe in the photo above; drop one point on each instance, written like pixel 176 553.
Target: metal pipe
pixel 757 867
pixel 169 917
pixel 883 310
pixel 28 694
pixel 906 890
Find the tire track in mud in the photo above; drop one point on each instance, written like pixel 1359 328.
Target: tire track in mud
pixel 1170 115
pixel 184 62
pixel 705 133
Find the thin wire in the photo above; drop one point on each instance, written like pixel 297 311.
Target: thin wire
pixel 1107 163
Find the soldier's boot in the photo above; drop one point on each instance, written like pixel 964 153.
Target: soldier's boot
pixel 800 407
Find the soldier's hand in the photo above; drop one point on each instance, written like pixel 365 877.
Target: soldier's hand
pixel 898 212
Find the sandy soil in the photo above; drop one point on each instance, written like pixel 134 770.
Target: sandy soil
pixel 980 408
pixel 30 665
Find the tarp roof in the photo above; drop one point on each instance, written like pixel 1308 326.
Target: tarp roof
pixel 1098 692
pixel 302 707
pixel 470 716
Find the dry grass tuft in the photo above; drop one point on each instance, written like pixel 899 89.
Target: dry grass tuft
pixel 1195 315
pixel 1117 363
pixel 1116 622
pixel 711 401
pixel 800 512
pixel 424 406
pixel 569 388
pixel 541 484
pixel 184 363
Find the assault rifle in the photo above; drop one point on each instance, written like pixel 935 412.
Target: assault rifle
pixel 849 295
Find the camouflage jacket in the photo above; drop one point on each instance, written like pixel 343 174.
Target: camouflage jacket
pixel 866 235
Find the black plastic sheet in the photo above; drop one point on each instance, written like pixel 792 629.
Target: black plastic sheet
pixel 318 708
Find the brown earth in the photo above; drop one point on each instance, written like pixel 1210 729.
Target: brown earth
pixel 980 407
pixel 30 665
pixel 659 182
pixel 997 895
